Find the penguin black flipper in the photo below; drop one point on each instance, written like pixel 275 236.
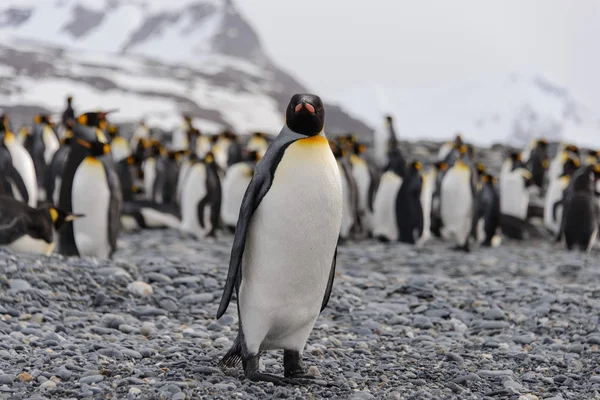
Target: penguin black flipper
pixel 330 281
pixel 17 180
pixel 115 205
pixel 256 191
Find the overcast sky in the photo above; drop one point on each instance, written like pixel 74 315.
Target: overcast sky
pixel 335 44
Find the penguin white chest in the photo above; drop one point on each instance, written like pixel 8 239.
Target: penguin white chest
pixel 457 200
pixel 236 181
pixel 24 165
pixel 193 191
pixel 91 197
pixel 290 247
pixel 384 207
pixel 149 177
pixel 29 245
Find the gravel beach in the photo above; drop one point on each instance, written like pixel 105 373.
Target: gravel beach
pixel 517 322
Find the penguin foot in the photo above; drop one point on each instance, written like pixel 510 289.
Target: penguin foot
pixel 252 373
pixel 293 369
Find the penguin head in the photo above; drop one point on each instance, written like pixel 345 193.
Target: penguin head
pixel 481 168
pixel 441 166
pixel 209 158
pixel 251 156
pixel 488 179
pixel 69 100
pixel 59 217
pixel 416 166
pixel 359 148
pixel 47 219
pixel 570 166
pixel 541 144
pixel 305 114
pixel 113 130
pixel 573 149
pixel 95 148
pixel 458 139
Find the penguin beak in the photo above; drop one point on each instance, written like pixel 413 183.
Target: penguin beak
pixel 309 107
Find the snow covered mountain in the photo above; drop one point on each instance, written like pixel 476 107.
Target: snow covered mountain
pixel 509 109
pixel 150 59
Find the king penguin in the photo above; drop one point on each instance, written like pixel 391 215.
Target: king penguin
pixel 426 198
pixel 385 228
pixel 283 258
pixel 409 211
pixel 90 186
pixel 580 222
pixel 258 142
pixel 54 171
pixel 41 144
pixel 457 201
pixel 486 223
pixel 235 183
pixel 556 188
pixel 25 229
pixel 22 163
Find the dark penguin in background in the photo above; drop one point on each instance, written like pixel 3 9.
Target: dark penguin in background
pixel 53 174
pixel 487 212
pixel 538 163
pixel 580 217
pixel 282 263
pixel 436 219
pixel 393 148
pixel 350 219
pixel 69 113
pixel 90 186
pixel 579 176
pixel 409 213
pixel 212 199
pixel 234 152
pixel 25 229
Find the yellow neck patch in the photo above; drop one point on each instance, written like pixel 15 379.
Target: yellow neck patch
pixel 314 141
pixel 53 214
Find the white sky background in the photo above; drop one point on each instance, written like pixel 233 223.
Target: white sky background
pixel 332 45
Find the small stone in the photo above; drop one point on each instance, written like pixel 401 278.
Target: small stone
pixel 19 285
pixel 494 314
pixel 7 379
pixel 134 391
pixel 495 374
pixel 147 328
pixel 48 385
pixel 528 396
pixel 91 379
pixel 360 395
pixel 313 371
pixel 140 289
pixel 126 328
pixel 25 377
pixel 196 298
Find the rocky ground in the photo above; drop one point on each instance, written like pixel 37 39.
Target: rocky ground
pixel 517 322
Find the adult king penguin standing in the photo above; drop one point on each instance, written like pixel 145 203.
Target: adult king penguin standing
pixel 283 257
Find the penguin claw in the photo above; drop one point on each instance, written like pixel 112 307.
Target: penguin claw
pixel 274 379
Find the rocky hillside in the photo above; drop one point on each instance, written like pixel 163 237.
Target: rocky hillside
pixel 150 60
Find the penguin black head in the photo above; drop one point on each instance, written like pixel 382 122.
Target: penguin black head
pixel 416 166
pixel 209 158
pixel 113 130
pixel 441 166
pixel 95 148
pixel 69 100
pixel 305 114
pixel 542 144
pixel 570 166
pixel 481 168
pixel 49 217
pixel 488 178
pixel 458 139
pixel 572 149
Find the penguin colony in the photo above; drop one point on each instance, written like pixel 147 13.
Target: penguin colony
pixel 73 188
pixel 196 182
